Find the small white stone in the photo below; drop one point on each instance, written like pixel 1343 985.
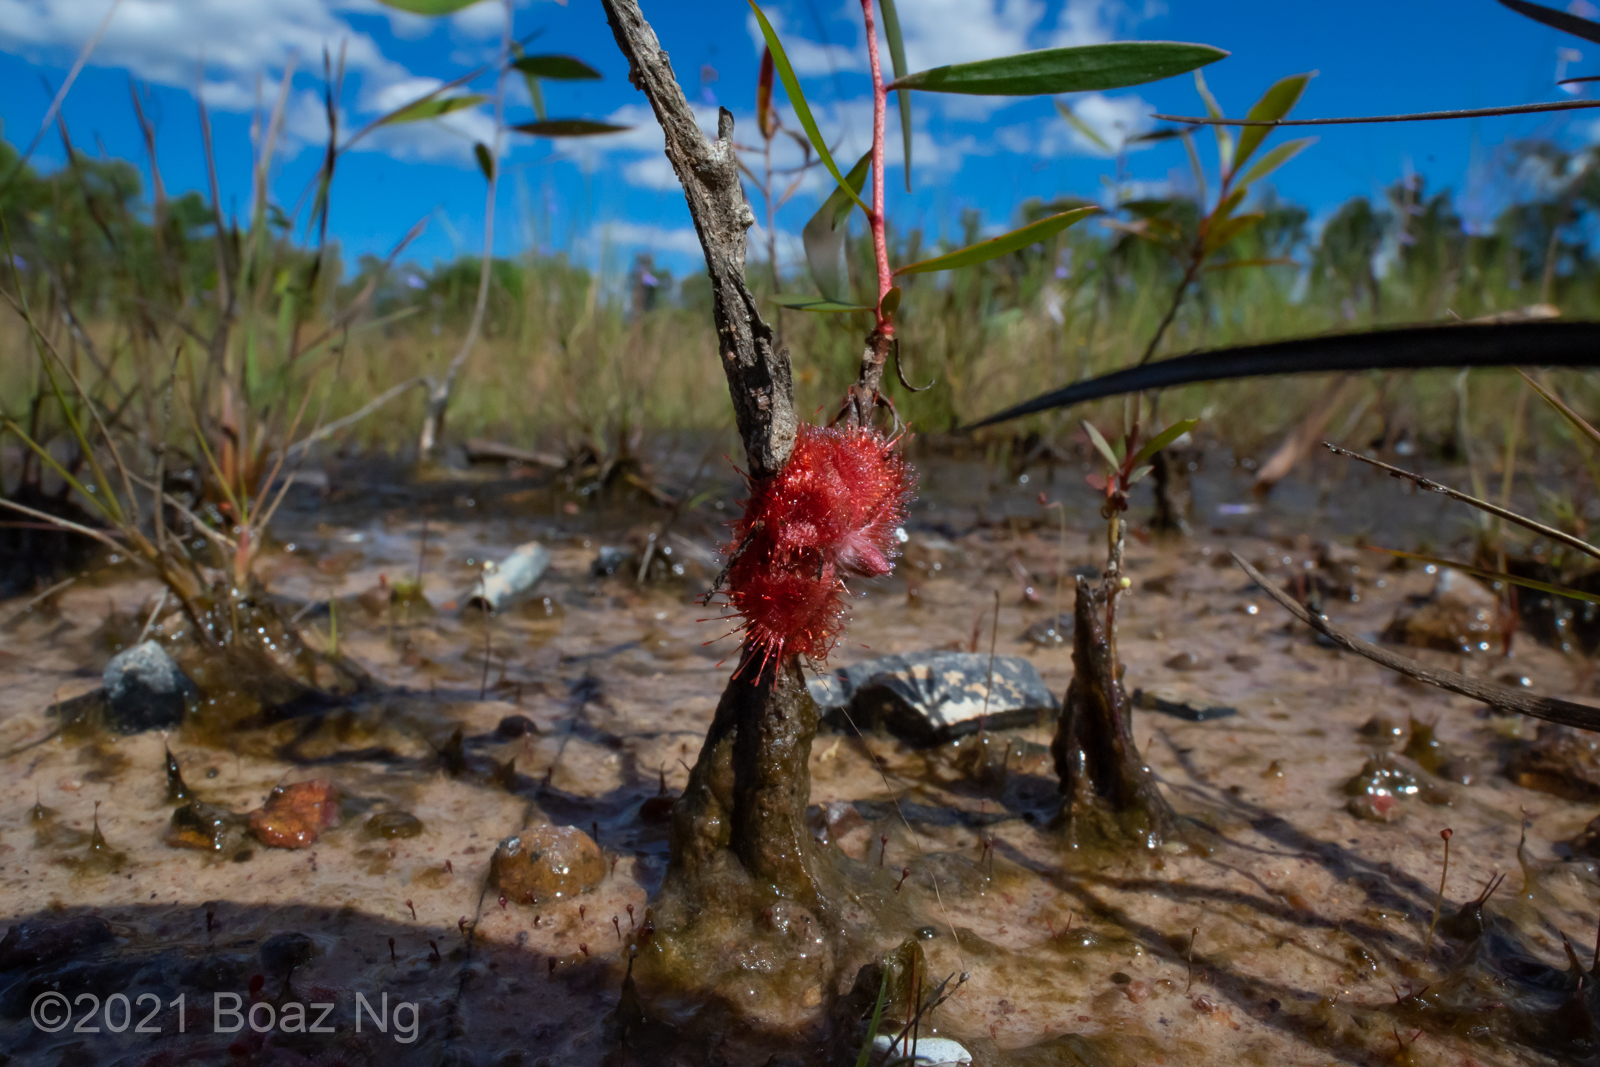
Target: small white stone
pixel 930 1051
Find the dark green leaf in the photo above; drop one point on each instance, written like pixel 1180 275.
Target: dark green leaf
pixel 1275 159
pixel 485 159
pixel 897 57
pixel 1164 438
pixel 999 246
pixel 877 1018
pixel 1521 344
pixel 568 128
pixel 430 108
pixel 428 7
pixel 812 303
pixel 1275 103
pixel 1166 133
pixel 802 110
pixel 556 68
pixel 1066 70
pixel 1578 27
pixel 824 235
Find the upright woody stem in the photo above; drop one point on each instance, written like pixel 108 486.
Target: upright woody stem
pixel 880 107
pixel 863 397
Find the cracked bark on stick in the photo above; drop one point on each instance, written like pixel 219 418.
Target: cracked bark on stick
pixel 741 820
pixel 1109 796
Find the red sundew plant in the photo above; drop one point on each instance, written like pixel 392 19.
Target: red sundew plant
pixel 834 510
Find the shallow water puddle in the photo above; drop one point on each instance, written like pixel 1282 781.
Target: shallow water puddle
pixel 1288 928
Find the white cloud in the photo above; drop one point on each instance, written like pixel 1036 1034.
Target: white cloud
pixel 237 52
pixel 808 58
pixel 622 233
pixel 1114 118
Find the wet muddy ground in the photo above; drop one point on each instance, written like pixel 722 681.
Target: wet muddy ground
pixel 1288 928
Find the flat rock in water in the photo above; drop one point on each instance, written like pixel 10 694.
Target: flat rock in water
pixel 294 816
pixel 932 697
pixel 1459 615
pixel 145 690
pixel 1561 761
pixel 37 941
pixel 1181 705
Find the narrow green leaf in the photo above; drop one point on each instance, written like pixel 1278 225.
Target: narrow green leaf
pixel 1166 133
pixel 1275 159
pixel 1164 438
pixel 1493 576
pixel 897 57
pixel 824 235
pixel 1033 233
pixel 890 302
pixel 485 159
pixel 535 94
pixel 428 7
pixel 812 303
pixel 568 128
pixel 1214 110
pixel 1065 70
pixel 802 110
pixel 426 108
pixel 1084 128
pixel 1100 445
pixel 1275 103
pixel 556 68
pixel 1139 473
pixel 1219 235
pixel 1228 205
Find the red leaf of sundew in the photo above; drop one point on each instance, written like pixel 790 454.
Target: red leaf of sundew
pixel 831 513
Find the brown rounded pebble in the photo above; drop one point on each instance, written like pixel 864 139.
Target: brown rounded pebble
pixel 388 824
pixel 547 863
pixel 1187 661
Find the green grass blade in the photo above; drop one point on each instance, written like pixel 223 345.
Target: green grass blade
pixel 897 58
pixel 802 110
pixel 1493 576
pixel 1065 70
pixel 1275 103
pixel 556 68
pixel 877 1019
pixel 1083 128
pixel 1030 234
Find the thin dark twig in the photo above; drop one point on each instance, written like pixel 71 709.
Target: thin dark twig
pixel 1455 494
pixel 1419 116
pixel 901 374
pixel 1503 698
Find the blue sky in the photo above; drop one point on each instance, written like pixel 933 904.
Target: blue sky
pixel 604 199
